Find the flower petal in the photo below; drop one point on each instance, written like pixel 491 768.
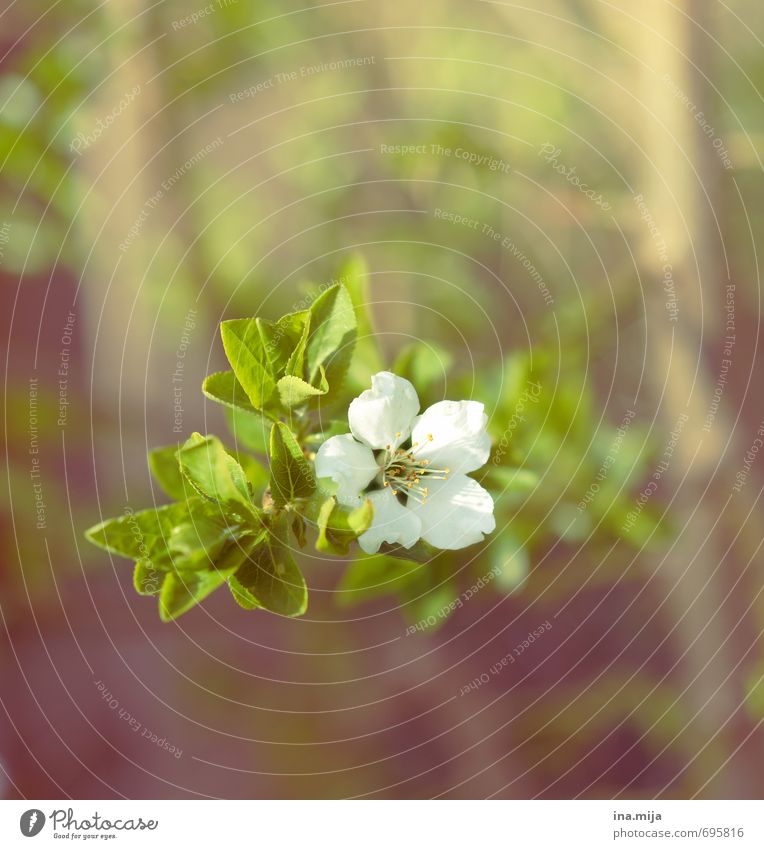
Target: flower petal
pixel 456 513
pixel 452 435
pixel 392 523
pixel 349 464
pixel 383 415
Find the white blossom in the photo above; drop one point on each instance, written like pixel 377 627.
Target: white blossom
pixel 412 467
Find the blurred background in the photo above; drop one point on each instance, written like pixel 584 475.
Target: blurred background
pixel 566 197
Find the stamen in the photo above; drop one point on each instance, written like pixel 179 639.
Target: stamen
pixel 403 473
pixel 416 497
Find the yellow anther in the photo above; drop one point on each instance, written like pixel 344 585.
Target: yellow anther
pixel 429 436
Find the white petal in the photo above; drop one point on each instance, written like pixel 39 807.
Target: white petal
pixel 383 415
pixel 452 435
pixel 392 523
pixel 456 513
pixel 349 464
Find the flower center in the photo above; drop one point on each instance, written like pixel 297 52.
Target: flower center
pixel 407 475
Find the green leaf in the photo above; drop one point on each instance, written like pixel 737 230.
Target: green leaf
pixel 338 527
pixel 184 536
pixel 291 474
pixel 332 337
pixel 294 391
pixel 144 535
pixel 147 579
pixel 250 429
pixel 164 465
pixel 198 542
pixel 182 592
pixel 223 387
pixel 270 579
pixel 214 473
pixel 298 529
pixel 249 360
pixel 285 341
pixel 331 428
pixel 256 473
